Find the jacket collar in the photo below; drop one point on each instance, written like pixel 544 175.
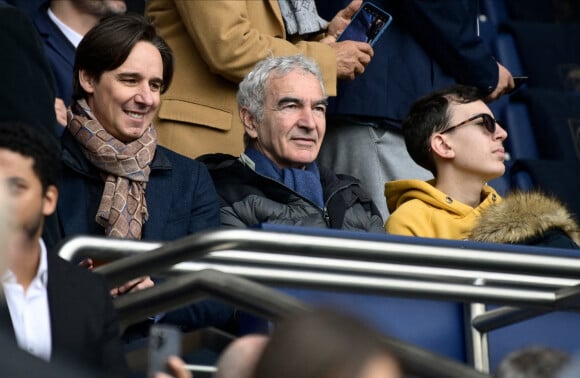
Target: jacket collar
pixel 223 166
pixel 52 34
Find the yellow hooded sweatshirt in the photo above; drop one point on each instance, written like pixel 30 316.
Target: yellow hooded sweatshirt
pixel 419 209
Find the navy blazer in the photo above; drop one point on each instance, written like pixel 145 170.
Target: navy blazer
pixel 181 199
pixel 83 319
pixel 429 45
pixel 27 90
pixel 59 51
pixel 84 327
pixel 180 195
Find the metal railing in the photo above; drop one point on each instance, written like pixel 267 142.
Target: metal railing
pixel 536 283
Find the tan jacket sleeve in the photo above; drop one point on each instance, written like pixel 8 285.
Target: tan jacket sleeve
pixel 232 36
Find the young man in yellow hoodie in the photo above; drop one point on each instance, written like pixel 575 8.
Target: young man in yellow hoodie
pixel 453 134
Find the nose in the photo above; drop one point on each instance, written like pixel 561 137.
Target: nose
pixel 500 132
pixel 144 95
pixel 307 118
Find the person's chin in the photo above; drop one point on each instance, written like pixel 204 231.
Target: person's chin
pixel 133 134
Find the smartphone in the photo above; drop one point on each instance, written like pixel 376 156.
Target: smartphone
pixel 367 25
pixel 164 341
pixel 519 81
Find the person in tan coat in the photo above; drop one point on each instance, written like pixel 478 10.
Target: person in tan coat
pixel 216 43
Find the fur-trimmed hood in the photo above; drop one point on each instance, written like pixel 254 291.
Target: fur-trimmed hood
pixel 523 217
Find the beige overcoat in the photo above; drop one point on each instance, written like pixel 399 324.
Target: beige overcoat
pixel 216 43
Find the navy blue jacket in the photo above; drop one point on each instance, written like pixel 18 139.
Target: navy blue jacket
pixel 180 195
pixel 59 51
pixel 27 90
pixel 181 199
pixel 429 44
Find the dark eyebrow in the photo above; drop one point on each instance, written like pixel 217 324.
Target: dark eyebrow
pixel 286 100
pixel 134 75
pixel 128 75
pixel 16 180
pixel 323 101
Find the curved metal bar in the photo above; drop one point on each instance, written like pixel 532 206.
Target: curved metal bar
pixel 78 247
pixel 199 244
pixel 274 305
pixel 184 289
pixel 111 249
pixel 397 270
pixel 504 316
pixel 196 245
pixel 565 299
pixel 380 285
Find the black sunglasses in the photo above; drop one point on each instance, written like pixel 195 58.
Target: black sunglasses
pixel 487 121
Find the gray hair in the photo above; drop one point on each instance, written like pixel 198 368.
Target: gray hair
pixel 252 90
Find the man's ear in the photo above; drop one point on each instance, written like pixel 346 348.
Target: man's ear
pixel 441 147
pixel 249 122
pixel 50 200
pixel 86 81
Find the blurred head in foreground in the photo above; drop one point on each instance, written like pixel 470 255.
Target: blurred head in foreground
pixel 326 344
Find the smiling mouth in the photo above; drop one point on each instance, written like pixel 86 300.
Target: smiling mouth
pixel 305 140
pixel 135 115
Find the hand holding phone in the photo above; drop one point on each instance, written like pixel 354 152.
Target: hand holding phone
pixel 164 341
pixel 519 81
pixel 367 25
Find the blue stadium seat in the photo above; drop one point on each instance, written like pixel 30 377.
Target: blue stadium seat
pixel 549 54
pixel 551 330
pixel 439 325
pixel 513 114
pixel 433 325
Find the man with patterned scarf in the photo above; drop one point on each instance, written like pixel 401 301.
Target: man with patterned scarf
pixel 282 104
pixel 117 181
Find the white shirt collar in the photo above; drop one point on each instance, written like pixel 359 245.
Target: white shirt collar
pixel 71 35
pixel 41 273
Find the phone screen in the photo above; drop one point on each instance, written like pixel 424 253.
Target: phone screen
pixel 367 25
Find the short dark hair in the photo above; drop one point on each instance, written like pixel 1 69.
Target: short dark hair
pixel 34 143
pixel 108 44
pixel 430 114
pixel 318 343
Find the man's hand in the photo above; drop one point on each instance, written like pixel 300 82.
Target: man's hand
pixel 60 110
pixel 87 264
pixel 341 21
pixel 133 285
pixel 128 287
pixel 505 84
pixel 351 58
pixel 177 368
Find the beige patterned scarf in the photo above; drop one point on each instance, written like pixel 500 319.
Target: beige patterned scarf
pixel 125 168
